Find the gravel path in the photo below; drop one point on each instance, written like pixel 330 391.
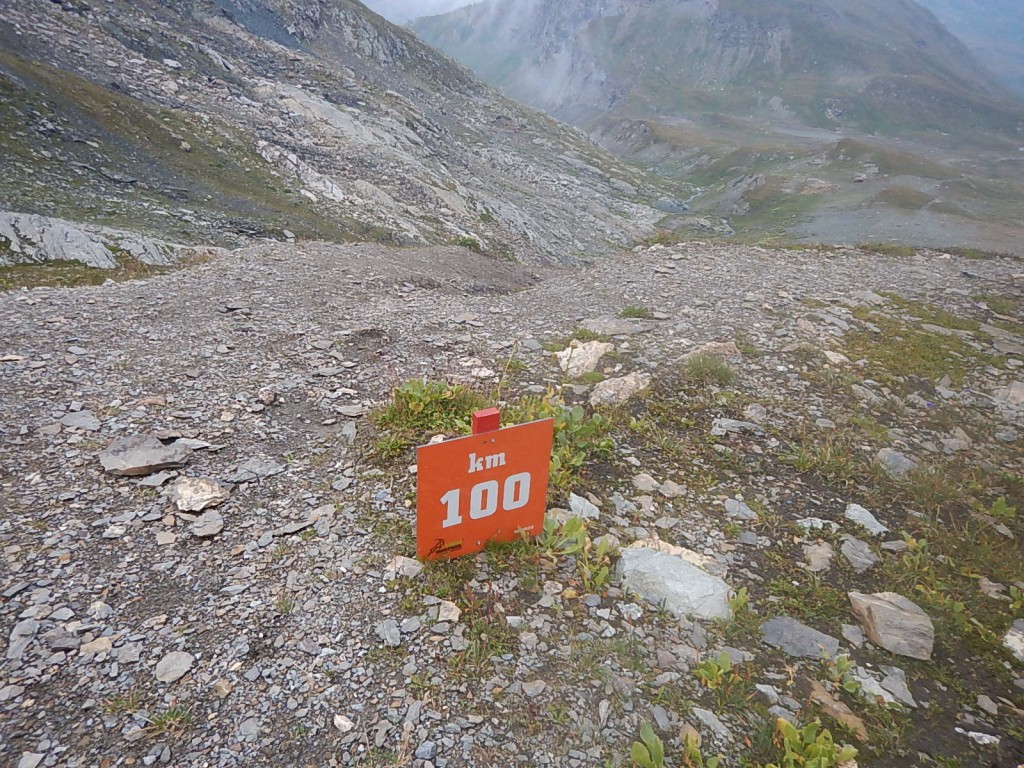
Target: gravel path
pixel 134 636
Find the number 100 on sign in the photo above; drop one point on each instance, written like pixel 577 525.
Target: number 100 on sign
pixel 488 487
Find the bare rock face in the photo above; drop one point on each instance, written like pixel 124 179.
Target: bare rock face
pixel 895 623
pixel 142 455
pixel 40 238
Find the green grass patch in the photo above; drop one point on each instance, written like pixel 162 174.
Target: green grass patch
pixel 639 313
pixel 420 409
pixel 929 313
pixel 900 351
pixel 708 369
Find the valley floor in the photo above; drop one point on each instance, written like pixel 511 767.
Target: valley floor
pixel 275 630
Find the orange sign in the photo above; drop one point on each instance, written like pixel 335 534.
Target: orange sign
pixel 487 487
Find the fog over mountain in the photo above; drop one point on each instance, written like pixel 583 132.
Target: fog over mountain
pixel 401 11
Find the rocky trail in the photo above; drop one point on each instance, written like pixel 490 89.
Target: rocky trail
pixel 205 542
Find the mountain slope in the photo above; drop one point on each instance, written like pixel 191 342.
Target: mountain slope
pixel 218 121
pixel 839 64
pixel 992 29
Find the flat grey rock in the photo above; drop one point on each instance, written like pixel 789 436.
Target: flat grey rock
pixel 22 634
pixel 580 507
pixel 84 420
pixel 173 666
pixel 858 554
pixel 619 390
pixel 857 514
pixel 390 633
pixel 737 509
pixel 722 427
pixel 254 470
pixel 896 464
pixel 818 556
pixel 798 640
pixel 208 524
pixel 1014 640
pixel 683 588
pixel 894 623
pixel 142 455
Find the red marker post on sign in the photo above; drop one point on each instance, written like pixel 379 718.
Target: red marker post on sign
pixel 491 486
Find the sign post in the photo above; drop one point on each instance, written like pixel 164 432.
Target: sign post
pixel 491 486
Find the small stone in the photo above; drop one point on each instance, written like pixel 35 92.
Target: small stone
pixel 402 567
pixel 343 724
pixel 535 688
pixel 670 489
pixel 582 508
pixel 737 509
pixel 895 463
pixel 389 632
pixel 174 666
pixel 222 688
pixel 96 647
pixel 857 514
pixel 426 751
pixel 722 427
pixel 1014 640
pixel 818 557
pixel 988 706
pixel 30 759
pixel 581 358
pixel 208 524
pixel 137 456
pixel 617 391
pixel 683 588
pixel 84 420
pixel 21 636
pixel 448 611
pixel 895 623
pixel 858 554
pixel 798 640
pixel 645 483
pixel 194 494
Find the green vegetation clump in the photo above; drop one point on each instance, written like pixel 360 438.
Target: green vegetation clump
pixel 639 313
pixel 421 408
pixel 708 369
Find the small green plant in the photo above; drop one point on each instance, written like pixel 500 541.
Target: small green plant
pixel 174 720
pixel 594 565
pixel 284 605
pixel 708 369
pixel 649 752
pixel 840 671
pixel 694 757
pixel 1016 601
pixel 715 673
pixel 121 703
pixel 638 313
pixel 1001 509
pixel 740 601
pixel 563 539
pixel 809 747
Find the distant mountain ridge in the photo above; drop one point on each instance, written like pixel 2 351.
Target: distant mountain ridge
pixel 870 65
pixel 217 121
pixel 992 29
